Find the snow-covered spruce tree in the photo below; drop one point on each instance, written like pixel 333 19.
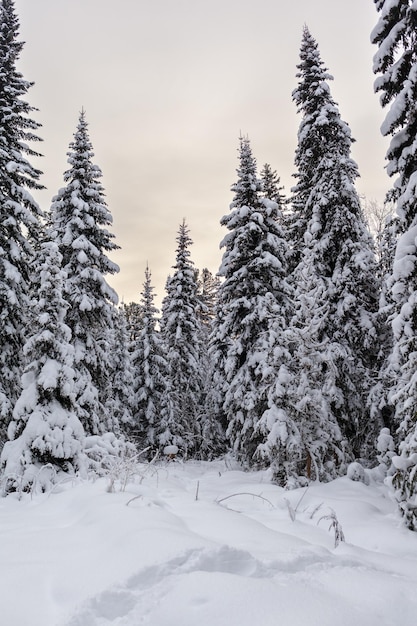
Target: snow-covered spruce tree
pixel 312 96
pixel 152 410
pixel 120 401
pixel 302 438
pixel 252 310
pixel 271 187
pixel 207 287
pixel 331 240
pixel 213 440
pixel 46 436
pixel 133 316
pixel 180 326
pixel 19 213
pixel 396 63
pixel 80 219
pixel 381 408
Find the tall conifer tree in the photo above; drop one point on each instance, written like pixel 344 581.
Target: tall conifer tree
pixel 153 415
pixel 119 400
pixel 213 441
pixel 252 297
pixel 181 332
pixel 19 213
pixel 331 240
pixel 396 64
pixel 80 219
pixel 182 339
pixel 311 97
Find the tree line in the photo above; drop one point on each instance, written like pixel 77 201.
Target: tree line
pixel 298 356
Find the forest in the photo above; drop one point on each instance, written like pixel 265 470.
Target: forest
pixel 299 355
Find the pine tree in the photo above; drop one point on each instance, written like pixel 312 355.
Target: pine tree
pixel 252 296
pixel 153 418
pixel 180 326
pixel 396 64
pixel 46 436
pixel 19 213
pixel 80 217
pixel 332 241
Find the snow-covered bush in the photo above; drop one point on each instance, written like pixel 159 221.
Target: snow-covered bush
pixel 357 473
pixel 105 451
pixel 386 450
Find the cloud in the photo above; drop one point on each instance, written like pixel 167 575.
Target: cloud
pixel 168 87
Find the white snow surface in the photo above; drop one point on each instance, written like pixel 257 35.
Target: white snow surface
pixel 205 543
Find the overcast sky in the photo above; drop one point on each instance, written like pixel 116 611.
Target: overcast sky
pixel 168 86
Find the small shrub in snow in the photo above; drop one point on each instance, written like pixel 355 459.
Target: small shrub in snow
pixel 335 526
pixel 124 469
pixel 293 510
pixel 357 473
pixel 105 452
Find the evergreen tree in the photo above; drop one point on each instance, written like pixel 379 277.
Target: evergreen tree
pixel 312 97
pixel 253 295
pixel 120 399
pixel 80 217
pixel 396 64
pixel 182 339
pixel 331 240
pixel 381 409
pixel 134 322
pixel 153 418
pixel 271 186
pixel 19 213
pixel 213 440
pixel 45 430
pixel 302 437
pixel 207 287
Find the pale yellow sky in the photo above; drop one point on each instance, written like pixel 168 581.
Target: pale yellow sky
pixel 168 86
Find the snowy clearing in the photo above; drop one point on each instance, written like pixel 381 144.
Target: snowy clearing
pixel 207 544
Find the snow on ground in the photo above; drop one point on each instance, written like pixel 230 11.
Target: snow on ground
pixel 204 543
